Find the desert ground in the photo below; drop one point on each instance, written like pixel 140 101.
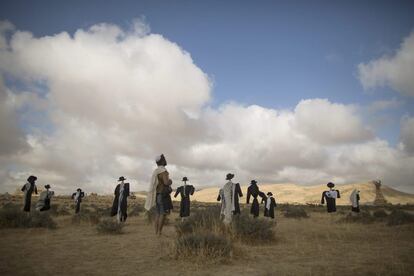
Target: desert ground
pixel 318 245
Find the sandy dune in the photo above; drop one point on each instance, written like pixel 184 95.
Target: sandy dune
pixel 293 193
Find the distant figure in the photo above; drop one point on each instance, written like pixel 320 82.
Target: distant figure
pixel 228 199
pixel 44 199
pixel 355 200
pixel 78 199
pixel 159 193
pixel 185 191
pixel 220 197
pixel 330 197
pixel 237 193
pixel 120 204
pixel 28 190
pixel 270 206
pixel 254 191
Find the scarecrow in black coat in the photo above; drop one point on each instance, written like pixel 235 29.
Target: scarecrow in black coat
pixel 253 190
pixel 78 199
pixel 270 206
pixel 330 197
pixel 28 190
pixel 185 191
pixel 120 204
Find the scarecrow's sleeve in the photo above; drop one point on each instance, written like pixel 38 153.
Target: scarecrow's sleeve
pixel 249 193
pixel 323 198
pixel 192 190
pixel 177 191
pixel 339 195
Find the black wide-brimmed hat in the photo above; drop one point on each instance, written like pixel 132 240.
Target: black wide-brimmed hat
pixel 79 189
pixel 185 178
pixel 229 176
pixel 330 185
pixel 269 194
pixel 32 177
pixel 253 182
pixel 47 186
pixel 121 178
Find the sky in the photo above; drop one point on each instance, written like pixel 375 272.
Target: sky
pixel 279 91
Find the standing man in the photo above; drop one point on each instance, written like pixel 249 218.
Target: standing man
pixel 28 190
pixel 330 198
pixel 185 191
pixel 253 190
pixel 228 197
pixel 355 200
pixel 78 199
pixel 159 193
pixel 270 206
pixel 44 199
pixel 120 204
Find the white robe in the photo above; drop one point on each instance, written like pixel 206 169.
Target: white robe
pixel 228 196
pixel 152 191
pixel 353 198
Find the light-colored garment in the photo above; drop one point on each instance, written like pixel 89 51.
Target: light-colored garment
pixel 42 197
pixel 77 196
pixel 121 197
pixel 223 202
pixel 152 191
pixel 228 195
pixel 268 202
pixel 353 198
pixel 332 194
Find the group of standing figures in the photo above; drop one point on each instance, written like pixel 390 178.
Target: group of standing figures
pixel 159 197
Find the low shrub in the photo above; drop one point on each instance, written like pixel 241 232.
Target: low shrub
pixel 109 226
pixel 136 210
pixel 292 211
pixel 88 217
pixel 249 229
pixel 380 213
pixel 207 219
pixel 361 217
pixel 14 217
pixel 203 244
pixel 399 217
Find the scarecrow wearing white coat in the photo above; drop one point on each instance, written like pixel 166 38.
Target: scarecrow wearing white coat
pixel 228 199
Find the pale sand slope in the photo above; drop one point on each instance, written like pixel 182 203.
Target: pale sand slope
pixel 293 193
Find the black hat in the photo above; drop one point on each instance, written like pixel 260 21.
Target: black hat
pixel 269 194
pixel 79 189
pixel 185 178
pixel 32 178
pixel 330 185
pixel 229 176
pixel 47 186
pixel 121 178
pixel 253 182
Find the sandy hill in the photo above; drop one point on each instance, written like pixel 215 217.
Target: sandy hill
pixel 293 193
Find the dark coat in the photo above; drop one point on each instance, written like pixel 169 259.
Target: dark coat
pixel 77 208
pixel 28 196
pixel 271 211
pixel 253 190
pixel 237 193
pixel 124 203
pixel 330 202
pixel 185 199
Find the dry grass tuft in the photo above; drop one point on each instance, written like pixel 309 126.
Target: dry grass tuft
pixel 109 226
pixel 292 211
pixel 14 217
pixel 399 217
pixel 250 230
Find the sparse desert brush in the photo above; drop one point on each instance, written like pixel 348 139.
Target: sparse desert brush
pixel 207 219
pixel 135 210
pixel 361 217
pixel 249 229
pixel 203 244
pixel 109 226
pixel 380 213
pixel 14 217
pixel 292 211
pixel 150 217
pixel 399 217
pixel 88 217
pixel 42 219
